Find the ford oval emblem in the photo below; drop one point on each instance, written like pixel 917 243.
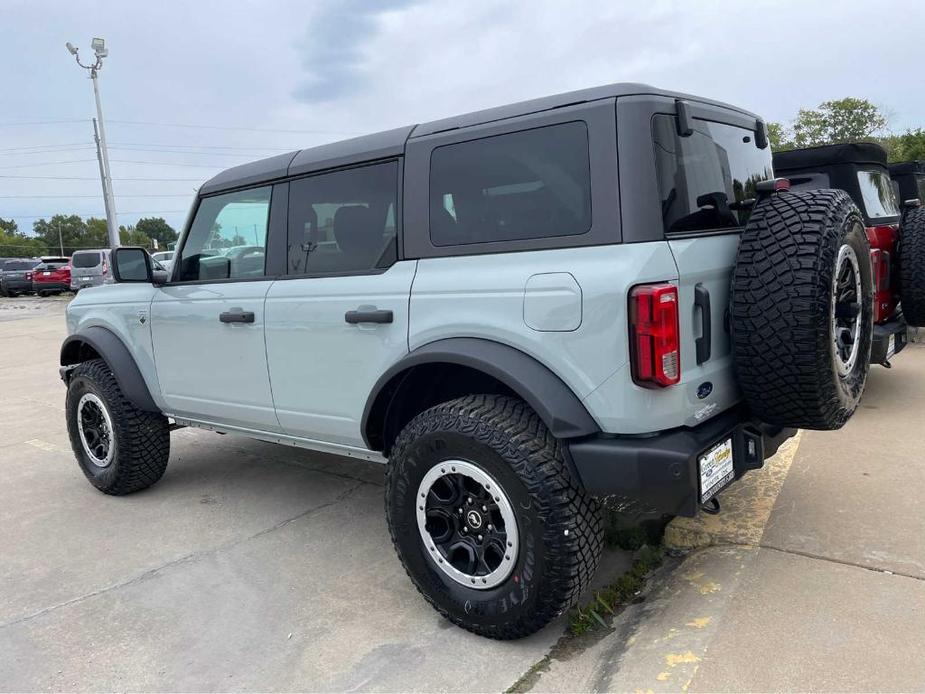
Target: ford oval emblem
pixel 704 389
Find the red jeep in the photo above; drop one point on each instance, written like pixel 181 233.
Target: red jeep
pixel 860 169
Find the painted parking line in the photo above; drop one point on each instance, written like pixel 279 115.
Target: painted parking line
pixel 47 446
pixel 746 508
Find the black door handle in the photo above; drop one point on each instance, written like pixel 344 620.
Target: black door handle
pixel 705 341
pixel 370 316
pixel 236 317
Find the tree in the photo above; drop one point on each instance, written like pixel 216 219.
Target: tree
pixel 158 229
pixel 841 120
pixel 9 227
pixel 131 236
pixel 15 244
pixel 69 231
pixel 908 146
pixel 778 137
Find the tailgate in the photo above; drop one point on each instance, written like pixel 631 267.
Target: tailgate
pixel 705 267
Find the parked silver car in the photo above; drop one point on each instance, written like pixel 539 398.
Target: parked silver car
pixel 90 268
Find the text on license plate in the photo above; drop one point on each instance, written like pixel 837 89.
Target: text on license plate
pixel 716 469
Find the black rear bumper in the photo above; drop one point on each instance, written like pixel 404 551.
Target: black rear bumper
pixel 880 346
pixel 661 470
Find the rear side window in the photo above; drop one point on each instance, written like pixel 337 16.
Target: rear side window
pixel 228 238
pixel 704 177
pixel 344 221
pixel 85 259
pixel 531 184
pixel 809 181
pixel 878 195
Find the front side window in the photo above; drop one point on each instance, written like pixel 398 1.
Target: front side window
pixel 228 238
pixel 344 221
pixel 531 184
pixel 877 193
pixel 703 178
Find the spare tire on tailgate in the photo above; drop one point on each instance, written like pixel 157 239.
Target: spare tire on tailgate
pixel 912 266
pixel 802 304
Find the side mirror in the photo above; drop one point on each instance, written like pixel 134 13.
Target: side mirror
pixel 131 265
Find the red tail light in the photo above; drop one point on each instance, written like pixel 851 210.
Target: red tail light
pixel 654 335
pixel 105 267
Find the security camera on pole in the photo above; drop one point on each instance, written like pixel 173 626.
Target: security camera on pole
pixel 99 134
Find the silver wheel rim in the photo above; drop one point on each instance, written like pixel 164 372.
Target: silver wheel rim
pixel 846 310
pixel 95 428
pixel 448 500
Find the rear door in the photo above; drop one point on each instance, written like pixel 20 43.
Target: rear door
pixel 208 322
pixel 703 179
pixel 339 317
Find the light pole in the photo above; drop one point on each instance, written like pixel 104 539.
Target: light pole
pixel 99 135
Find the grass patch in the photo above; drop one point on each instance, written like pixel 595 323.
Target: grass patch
pixel 607 600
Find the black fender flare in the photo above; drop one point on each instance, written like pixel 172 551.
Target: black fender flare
pixel 555 402
pixel 117 357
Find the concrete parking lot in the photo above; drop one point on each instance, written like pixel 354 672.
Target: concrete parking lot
pixel 256 567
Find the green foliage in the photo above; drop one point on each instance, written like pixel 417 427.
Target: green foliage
pixel 15 244
pixel 71 232
pixel 132 236
pixel 908 146
pixel 841 120
pixel 778 137
pixel 158 229
pixel 619 593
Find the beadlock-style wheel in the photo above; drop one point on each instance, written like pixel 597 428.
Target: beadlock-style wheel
pixel 95 429
pixel 846 309
pixel 467 524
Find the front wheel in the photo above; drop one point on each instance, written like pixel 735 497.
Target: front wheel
pixel 119 448
pixel 486 517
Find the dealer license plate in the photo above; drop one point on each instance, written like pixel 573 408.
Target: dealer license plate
pixel 716 469
pixel 45 274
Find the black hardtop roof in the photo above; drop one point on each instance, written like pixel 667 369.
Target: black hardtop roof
pixel 392 142
pixel 908 167
pixel 864 153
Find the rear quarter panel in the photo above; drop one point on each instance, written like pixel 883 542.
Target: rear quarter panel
pixel 486 296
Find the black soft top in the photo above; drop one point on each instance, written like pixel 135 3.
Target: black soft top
pixel 840 164
pixel 861 153
pixel 907 167
pixel 392 142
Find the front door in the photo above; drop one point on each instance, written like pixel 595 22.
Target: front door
pixel 208 323
pixel 340 317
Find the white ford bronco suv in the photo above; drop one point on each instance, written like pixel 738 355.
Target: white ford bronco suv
pixel 519 311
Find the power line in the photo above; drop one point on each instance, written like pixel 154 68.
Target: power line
pixel 231 127
pixel 12 124
pixel 13 215
pixel 143 195
pixel 91 178
pixel 118 161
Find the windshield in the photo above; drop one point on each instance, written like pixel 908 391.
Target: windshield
pixel 877 191
pixel 86 259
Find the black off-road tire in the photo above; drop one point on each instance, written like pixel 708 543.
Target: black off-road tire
pixel 560 527
pixel 782 313
pixel 912 266
pixel 141 439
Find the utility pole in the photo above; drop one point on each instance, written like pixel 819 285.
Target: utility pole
pixel 99 136
pixel 60 239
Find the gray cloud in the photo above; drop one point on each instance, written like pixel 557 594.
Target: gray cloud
pixel 333 47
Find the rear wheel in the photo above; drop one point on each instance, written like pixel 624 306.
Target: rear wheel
pixel 486 517
pixel 119 448
pixel 912 266
pixel 802 309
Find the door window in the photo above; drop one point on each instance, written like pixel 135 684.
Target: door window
pixel 703 178
pixel 531 184
pixel 228 238
pixel 344 222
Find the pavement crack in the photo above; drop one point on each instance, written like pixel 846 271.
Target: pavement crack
pixel 186 559
pixel 843 562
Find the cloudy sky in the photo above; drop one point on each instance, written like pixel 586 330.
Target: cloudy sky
pixel 260 77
